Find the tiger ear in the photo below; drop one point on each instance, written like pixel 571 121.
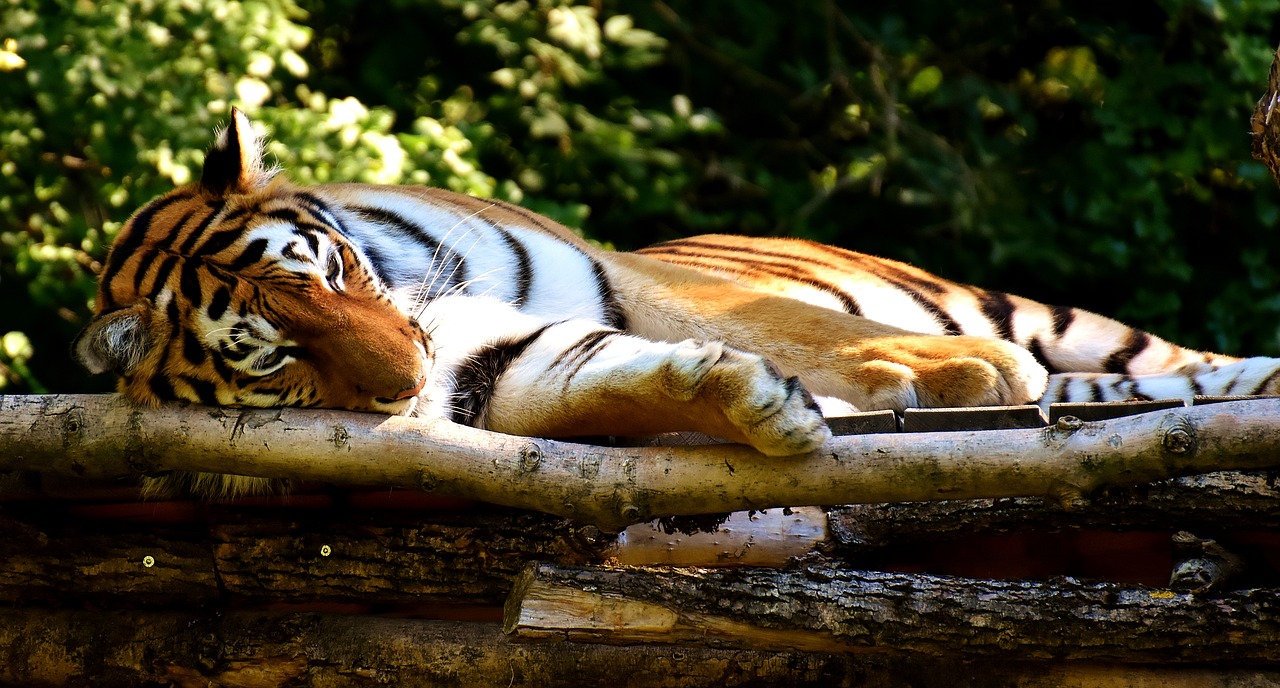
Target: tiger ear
pixel 234 163
pixel 115 341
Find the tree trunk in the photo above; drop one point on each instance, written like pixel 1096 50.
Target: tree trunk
pixel 820 608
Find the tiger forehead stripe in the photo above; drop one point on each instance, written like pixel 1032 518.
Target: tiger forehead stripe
pixel 215 208
pixel 128 244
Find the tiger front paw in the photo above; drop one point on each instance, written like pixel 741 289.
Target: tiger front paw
pixel 938 371
pixel 774 414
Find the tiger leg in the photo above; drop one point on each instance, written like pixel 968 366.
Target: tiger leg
pixel 615 384
pixel 868 364
pixel 578 378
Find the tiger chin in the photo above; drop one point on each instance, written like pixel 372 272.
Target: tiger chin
pixel 246 290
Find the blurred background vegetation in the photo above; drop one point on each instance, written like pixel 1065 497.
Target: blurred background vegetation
pixel 1091 153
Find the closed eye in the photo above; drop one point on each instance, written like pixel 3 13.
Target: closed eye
pixel 276 359
pixel 333 271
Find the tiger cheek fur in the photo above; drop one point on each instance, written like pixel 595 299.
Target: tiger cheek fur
pixel 360 352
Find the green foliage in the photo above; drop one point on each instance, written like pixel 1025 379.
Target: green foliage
pixel 1094 155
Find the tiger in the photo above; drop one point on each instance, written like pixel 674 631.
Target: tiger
pixel 243 289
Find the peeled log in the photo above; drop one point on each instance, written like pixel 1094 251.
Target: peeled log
pixel 102 436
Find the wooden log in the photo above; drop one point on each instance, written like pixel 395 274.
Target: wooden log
pixel 261 650
pixel 96 436
pixel 234 557
pixel 1213 502
pixel 252 650
pixel 821 608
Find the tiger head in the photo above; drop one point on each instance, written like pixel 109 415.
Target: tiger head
pixel 241 290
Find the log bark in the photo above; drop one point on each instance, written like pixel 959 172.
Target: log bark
pixel 1213 502
pixel 261 650
pixel 238 557
pixel 821 608
pixel 100 436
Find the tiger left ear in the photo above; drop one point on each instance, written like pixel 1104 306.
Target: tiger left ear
pixel 234 163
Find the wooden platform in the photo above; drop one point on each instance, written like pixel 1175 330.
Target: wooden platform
pixel 393 587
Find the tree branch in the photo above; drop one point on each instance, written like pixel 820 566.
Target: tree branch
pixel 103 435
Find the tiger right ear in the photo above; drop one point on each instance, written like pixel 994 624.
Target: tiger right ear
pixel 115 341
pixel 234 163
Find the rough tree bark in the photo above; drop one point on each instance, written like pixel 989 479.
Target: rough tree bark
pixel 1213 502
pixel 237 557
pixel 822 608
pixel 257 650
pixel 96 436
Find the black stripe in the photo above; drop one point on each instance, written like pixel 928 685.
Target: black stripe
pixel 1037 352
pixel 1095 390
pixel 189 281
pixel 1262 386
pixel 159 384
pixel 535 219
pixel 787 271
pixel 219 241
pixel 524 276
pixel 399 224
pixel 610 310
pixel 191 348
pixel 475 379
pixel 319 207
pixel 251 254
pixel 377 261
pixel 223 370
pixel 127 244
pixel 162 388
pixel 215 207
pixel 313 242
pixel 949 325
pixel 997 308
pixel 206 391
pixel 1118 361
pixel 218 302
pixel 235 354
pixel 162 276
pixel 587 348
pixel 1063 316
pixel 408 229
pixel 286 214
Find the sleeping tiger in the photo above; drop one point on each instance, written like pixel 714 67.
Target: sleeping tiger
pixel 246 290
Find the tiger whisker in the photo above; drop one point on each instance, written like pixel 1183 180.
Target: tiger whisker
pixel 458 264
pixel 430 278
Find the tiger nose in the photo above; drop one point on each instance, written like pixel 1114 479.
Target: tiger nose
pixel 411 391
